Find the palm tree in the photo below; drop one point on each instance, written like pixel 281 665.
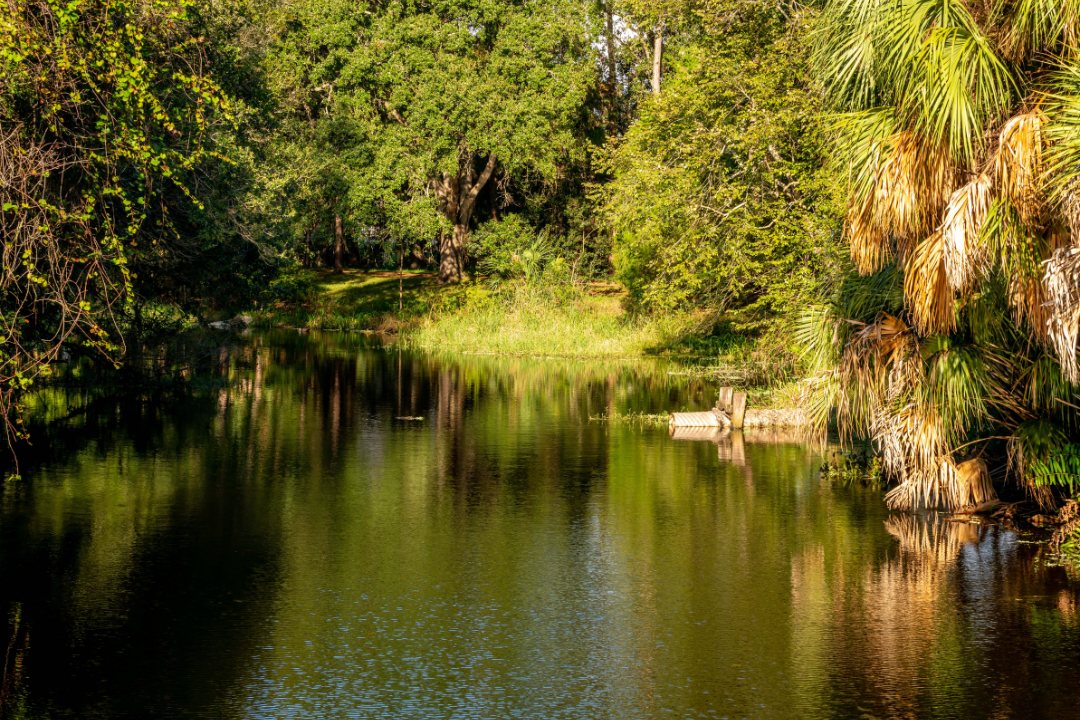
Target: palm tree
pixel 957 125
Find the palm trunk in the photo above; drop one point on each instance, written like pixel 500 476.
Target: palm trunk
pixel 339 244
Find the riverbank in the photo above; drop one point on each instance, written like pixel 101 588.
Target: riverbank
pixel 590 322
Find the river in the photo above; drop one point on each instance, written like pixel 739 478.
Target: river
pixel 276 544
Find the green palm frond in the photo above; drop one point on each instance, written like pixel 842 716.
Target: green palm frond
pixel 817 334
pixel 1031 26
pixel 847 52
pixel 1043 385
pixel 1034 443
pixel 1021 252
pixel 959 385
pixel 1063 153
pixel 985 323
pixel 863 297
pixel 947 80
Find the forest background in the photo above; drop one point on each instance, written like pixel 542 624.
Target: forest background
pixel 166 162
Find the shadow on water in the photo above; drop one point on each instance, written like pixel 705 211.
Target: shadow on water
pixel 281 544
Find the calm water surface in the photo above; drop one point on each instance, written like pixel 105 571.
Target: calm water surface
pixel 282 547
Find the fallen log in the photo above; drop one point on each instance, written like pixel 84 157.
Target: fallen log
pixel 716 418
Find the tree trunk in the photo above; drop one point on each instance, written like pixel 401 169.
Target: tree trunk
pixel 657 58
pixel 452 254
pixel 339 244
pixel 613 102
pixel 457 199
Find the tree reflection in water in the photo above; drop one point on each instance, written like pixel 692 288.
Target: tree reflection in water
pixel 280 543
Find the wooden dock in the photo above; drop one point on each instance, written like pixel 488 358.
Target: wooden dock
pixel 731 413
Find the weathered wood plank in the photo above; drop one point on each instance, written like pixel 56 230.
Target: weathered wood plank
pixel 738 410
pixel 724 402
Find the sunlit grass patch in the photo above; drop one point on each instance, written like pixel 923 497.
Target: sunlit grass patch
pixel 543 325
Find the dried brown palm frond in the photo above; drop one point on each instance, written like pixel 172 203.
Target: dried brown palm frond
pixel 870 246
pixel 973 486
pixel 915 451
pixel 912 440
pixel 879 364
pixel 944 482
pixel 1028 298
pixel 886 342
pixel 894 350
pixel 1061 283
pixel 927 293
pixel 966 259
pixel 1027 291
pixel 1043 496
pixel 902 187
pixel 1018 165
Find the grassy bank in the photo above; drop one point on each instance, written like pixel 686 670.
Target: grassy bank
pixel 546 323
pixel 589 322
pixel 573 323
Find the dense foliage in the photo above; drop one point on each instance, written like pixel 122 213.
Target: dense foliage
pixel 106 115
pixel 719 194
pixel 410 115
pixel 162 160
pixel 956 126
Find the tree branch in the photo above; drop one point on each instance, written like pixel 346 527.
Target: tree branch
pixel 468 198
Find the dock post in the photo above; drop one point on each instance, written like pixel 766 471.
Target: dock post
pixel 738 410
pixel 724 403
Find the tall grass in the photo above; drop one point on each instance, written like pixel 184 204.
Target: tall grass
pixel 545 322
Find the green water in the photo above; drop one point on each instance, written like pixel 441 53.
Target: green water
pixel 280 546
